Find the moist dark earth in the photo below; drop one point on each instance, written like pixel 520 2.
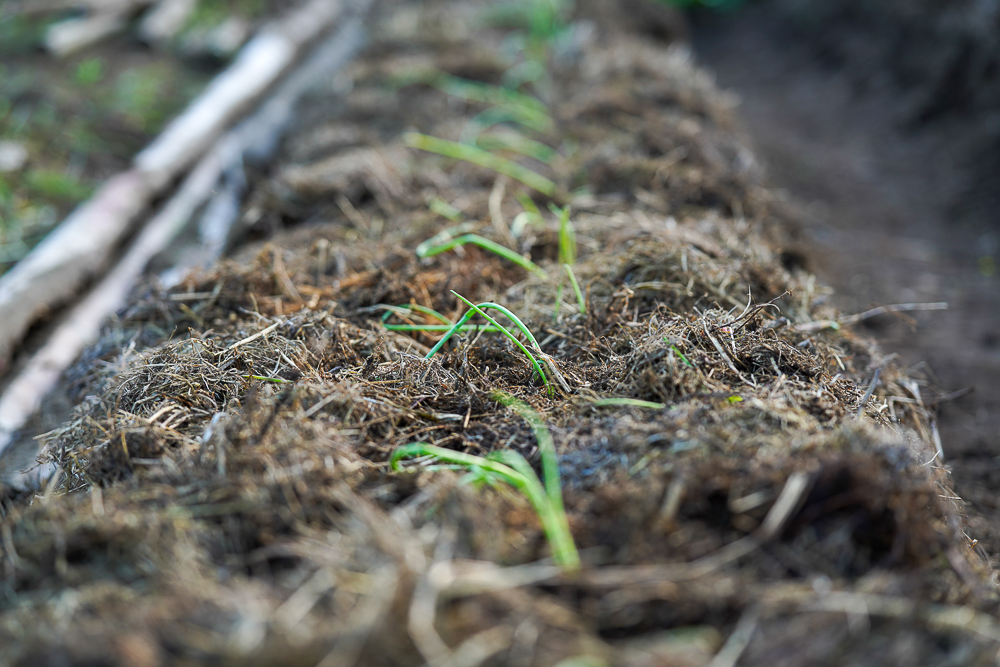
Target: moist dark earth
pixel 225 494
pixel 876 121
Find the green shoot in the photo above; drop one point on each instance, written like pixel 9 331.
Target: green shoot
pixel 477 91
pixel 445 210
pixel 517 143
pixel 567 235
pixel 576 288
pixel 267 379
pixel 679 354
pixel 528 203
pixel 546 447
pixel 438 327
pixel 630 402
pixel 513 469
pixel 444 236
pixel 530 215
pixel 483 243
pixel 473 310
pixel 512 337
pixel 528 118
pixel 406 311
pixel 430 311
pixel 545 20
pixel 522 220
pixel 482 158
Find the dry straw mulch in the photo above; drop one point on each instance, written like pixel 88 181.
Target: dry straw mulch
pixel 224 497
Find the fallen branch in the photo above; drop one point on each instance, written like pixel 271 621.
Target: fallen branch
pixel 81 325
pixel 82 246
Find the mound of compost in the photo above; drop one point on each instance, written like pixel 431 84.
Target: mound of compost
pixel 745 479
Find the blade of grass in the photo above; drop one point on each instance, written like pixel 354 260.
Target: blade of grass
pixel 511 316
pixel 472 311
pixel 522 220
pixel 529 119
pixel 482 158
pixel 567 235
pixel 528 203
pixel 550 469
pixel 512 468
pixel 530 215
pixel 438 327
pixel 679 354
pixel 509 335
pixel 576 288
pixel 546 446
pixel 484 92
pixel 517 144
pixel 430 311
pixel 485 244
pixel 446 235
pixel 267 379
pixel 448 456
pixel 406 311
pixel 553 517
pixel 445 210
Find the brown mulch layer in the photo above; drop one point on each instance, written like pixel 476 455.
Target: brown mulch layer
pixel 224 495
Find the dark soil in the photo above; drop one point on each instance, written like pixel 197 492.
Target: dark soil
pixel 879 123
pixel 225 496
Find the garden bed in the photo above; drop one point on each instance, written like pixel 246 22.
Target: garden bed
pixel 744 478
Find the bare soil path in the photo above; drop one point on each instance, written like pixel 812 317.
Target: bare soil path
pixel 889 220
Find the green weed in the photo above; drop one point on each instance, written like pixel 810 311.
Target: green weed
pixel 512 468
pixel 404 312
pixel 679 354
pixel 479 309
pixel 482 158
pixel 485 244
pixel 445 210
pixel 517 143
pixel 576 289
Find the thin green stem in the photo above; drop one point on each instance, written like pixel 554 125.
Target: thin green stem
pixel 267 379
pixel 445 210
pixel 680 354
pixel 444 236
pixel 567 235
pixel 576 288
pixel 546 446
pixel 484 243
pixel 513 469
pixel 438 327
pixel 482 158
pixel 518 144
pixel 509 335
